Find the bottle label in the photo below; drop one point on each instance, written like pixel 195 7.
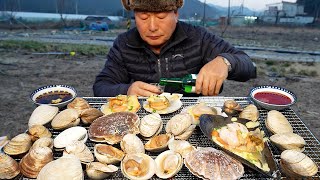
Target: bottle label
pixel 190 89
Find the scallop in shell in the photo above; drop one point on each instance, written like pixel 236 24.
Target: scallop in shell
pixel 89 115
pixel 79 104
pixel 67 136
pixel 231 107
pixel 210 163
pixel 286 141
pixel 276 122
pixel 18 145
pixel 43 142
pixel 38 131
pixel 169 163
pixel 42 115
pixel 65 119
pixel 181 146
pixel 131 144
pixel 35 160
pixel 66 167
pixel 138 166
pixel 150 125
pixel 9 168
pixel 250 112
pixel 80 150
pixel 159 143
pixel 297 165
pixel 97 170
pixel 108 154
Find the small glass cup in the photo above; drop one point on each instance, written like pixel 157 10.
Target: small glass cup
pixel 160 87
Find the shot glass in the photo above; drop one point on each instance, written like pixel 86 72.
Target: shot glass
pixel 160 87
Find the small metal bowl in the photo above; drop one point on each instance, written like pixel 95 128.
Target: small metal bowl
pixel 274 90
pixel 54 95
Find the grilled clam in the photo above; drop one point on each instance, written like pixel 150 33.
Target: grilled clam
pixel 108 154
pixel 180 126
pixel 35 160
pixel 80 150
pixel 79 104
pixel 286 141
pixel 250 112
pixel 38 131
pixel 181 146
pixel 276 122
pixel 97 170
pixel 67 136
pixel 159 143
pixel 197 110
pixel 43 142
pixel 169 163
pixel 231 107
pixel 209 163
pixel 18 145
pixel 9 168
pixel 65 119
pixel 89 115
pixel 131 144
pixel 42 115
pixel 297 165
pixel 66 167
pixel 150 125
pixel 138 166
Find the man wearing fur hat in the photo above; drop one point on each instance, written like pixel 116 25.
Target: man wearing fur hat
pixel 160 46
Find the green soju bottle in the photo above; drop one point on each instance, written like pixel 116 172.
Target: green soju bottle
pixel 187 83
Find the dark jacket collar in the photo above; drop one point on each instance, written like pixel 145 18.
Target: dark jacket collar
pixel 135 41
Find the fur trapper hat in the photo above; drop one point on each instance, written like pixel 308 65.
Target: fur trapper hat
pixel 152 5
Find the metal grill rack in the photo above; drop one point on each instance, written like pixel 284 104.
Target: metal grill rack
pixel 312 149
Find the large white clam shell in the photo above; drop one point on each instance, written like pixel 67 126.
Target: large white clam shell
pixel 97 170
pixel 181 146
pixel 178 124
pixel 159 143
pixel 277 123
pixel 297 165
pixel 169 163
pixel 286 141
pixel 18 145
pixel 65 168
pixel 9 168
pixel 108 154
pixel 150 125
pixel 131 144
pixel 80 150
pixel 250 112
pixel 67 136
pixel 138 166
pixel 42 115
pixel 65 119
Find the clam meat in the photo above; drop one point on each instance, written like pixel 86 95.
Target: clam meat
pixel 286 141
pixel 159 143
pixel 231 107
pixel 150 125
pixel 97 170
pixel 276 123
pixel 43 114
pixel 131 144
pixel 168 163
pixel 250 112
pixel 9 168
pixel 108 154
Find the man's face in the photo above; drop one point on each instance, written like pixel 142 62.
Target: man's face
pixel 156 28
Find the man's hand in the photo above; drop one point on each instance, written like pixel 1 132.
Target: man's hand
pixel 140 88
pixel 211 77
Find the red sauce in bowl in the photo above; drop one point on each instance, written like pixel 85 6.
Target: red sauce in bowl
pixel 273 98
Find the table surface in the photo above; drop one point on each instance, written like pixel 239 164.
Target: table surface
pixel 312 149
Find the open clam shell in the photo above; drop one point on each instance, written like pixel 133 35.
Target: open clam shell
pixel 108 154
pixel 97 170
pixel 231 107
pixel 209 122
pixel 173 105
pixel 18 145
pixel 9 168
pixel 43 114
pixel 80 150
pixel 159 143
pixel 67 136
pixel 181 146
pixel 65 119
pixel 169 163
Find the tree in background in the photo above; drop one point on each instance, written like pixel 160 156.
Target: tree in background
pixel 311 7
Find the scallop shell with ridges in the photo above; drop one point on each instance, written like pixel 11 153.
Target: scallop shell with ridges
pixel 159 143
pixel 18 145
pixel 169 163
pixel 131 144
pixel 43 142
pixel 65 168
pixel 35 160
pixel 65 119
pixel 79 104
pixel 38 131
pixel 178 124
pixel 138 166
pixel 297 165
pixel 80 150
pixel 97 170
pixel 250 112
pixel 43 114
pixel 150 125
pixel 9 168
pixel 277 123
pixel 286 141
pixel 69 135
pixel 108 154
pixel 181 146
pixel 89 115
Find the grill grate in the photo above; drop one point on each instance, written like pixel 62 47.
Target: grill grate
pixel 312 149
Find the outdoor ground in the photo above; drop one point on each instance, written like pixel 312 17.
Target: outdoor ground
pixel 22 72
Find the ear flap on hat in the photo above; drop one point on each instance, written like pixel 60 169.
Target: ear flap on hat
pixel 126 4
pixel 179 3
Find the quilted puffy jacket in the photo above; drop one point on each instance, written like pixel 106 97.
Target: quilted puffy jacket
pixel 188 50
